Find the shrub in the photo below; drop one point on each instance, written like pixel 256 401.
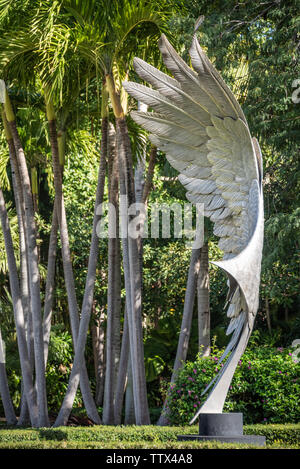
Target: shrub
pixel 133 436
pixel 265 387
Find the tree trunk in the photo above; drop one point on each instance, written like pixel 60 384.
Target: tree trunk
pixel 24 280
pixel 139 173
pixel 9 412
pixel 135 314
pixel 121 380
pixel 129 399
pixel 34 283
pixel 50 282
pixel 268 316
pixel 184 337
pixel 114 287
pixel 34 276
pixel 52 252
pixel 80 330
pixel 19 317
pixel 99 356
pixel 133 270
pixel 203 304
pixel 35 200
pixel 149 176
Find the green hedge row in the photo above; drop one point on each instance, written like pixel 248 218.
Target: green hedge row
pixel 105 435
pixel 135 445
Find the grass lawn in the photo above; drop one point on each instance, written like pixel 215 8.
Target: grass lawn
pixel 135 437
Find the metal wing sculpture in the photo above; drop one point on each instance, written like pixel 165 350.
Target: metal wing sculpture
pixel 200 126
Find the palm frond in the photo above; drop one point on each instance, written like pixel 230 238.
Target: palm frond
pixel 81 141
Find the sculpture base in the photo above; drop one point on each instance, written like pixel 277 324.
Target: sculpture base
pixel 227 428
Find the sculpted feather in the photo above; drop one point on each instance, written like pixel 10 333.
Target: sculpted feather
pixel 202 129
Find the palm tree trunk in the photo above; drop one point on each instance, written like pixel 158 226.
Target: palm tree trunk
pixel 35 198
pixel 123 366
pixel 34 285
pixel 139 184
pixel 9 412
pixel 133 284
pixel 139 173
pixel 34 276
pixel 68 271
pixel 135 315
pixel 114 287
pixel 150 173
pixel 99 356
pixel 20 209
pixel 125 353
pixel 129 398
pixel 24 284
pixel 24 281
pixel 268 316
pixel 184 337
pixel 19 317
pixel 203 303
pixel 52 252
pixel 50 283
pixel 80 330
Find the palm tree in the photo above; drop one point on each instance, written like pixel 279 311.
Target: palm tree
pixel 67 263
pixel 24 274
pixel 90 282
pixel 50 283
pixel 114 285
pixel 123 17
pixel 33 269
pixel 9 412
pixel 131 17
pixel 39 42
pixel 59 41
pixel 19 316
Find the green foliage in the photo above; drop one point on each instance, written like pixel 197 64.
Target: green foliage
pixel 136 437
pixel 57 372
pixel 60 347
pixel 281 261
pixel 80 183
pixel 59 367
pixel 265 387
pixel 153 367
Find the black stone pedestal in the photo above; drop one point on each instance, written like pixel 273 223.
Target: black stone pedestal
pixel 227 428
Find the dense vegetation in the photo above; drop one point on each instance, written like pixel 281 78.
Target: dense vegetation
pixel 265 387
pixel 57 60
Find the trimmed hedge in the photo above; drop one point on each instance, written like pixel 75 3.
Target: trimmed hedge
pixel 135 437
pixel 274 433
pixel 134 445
